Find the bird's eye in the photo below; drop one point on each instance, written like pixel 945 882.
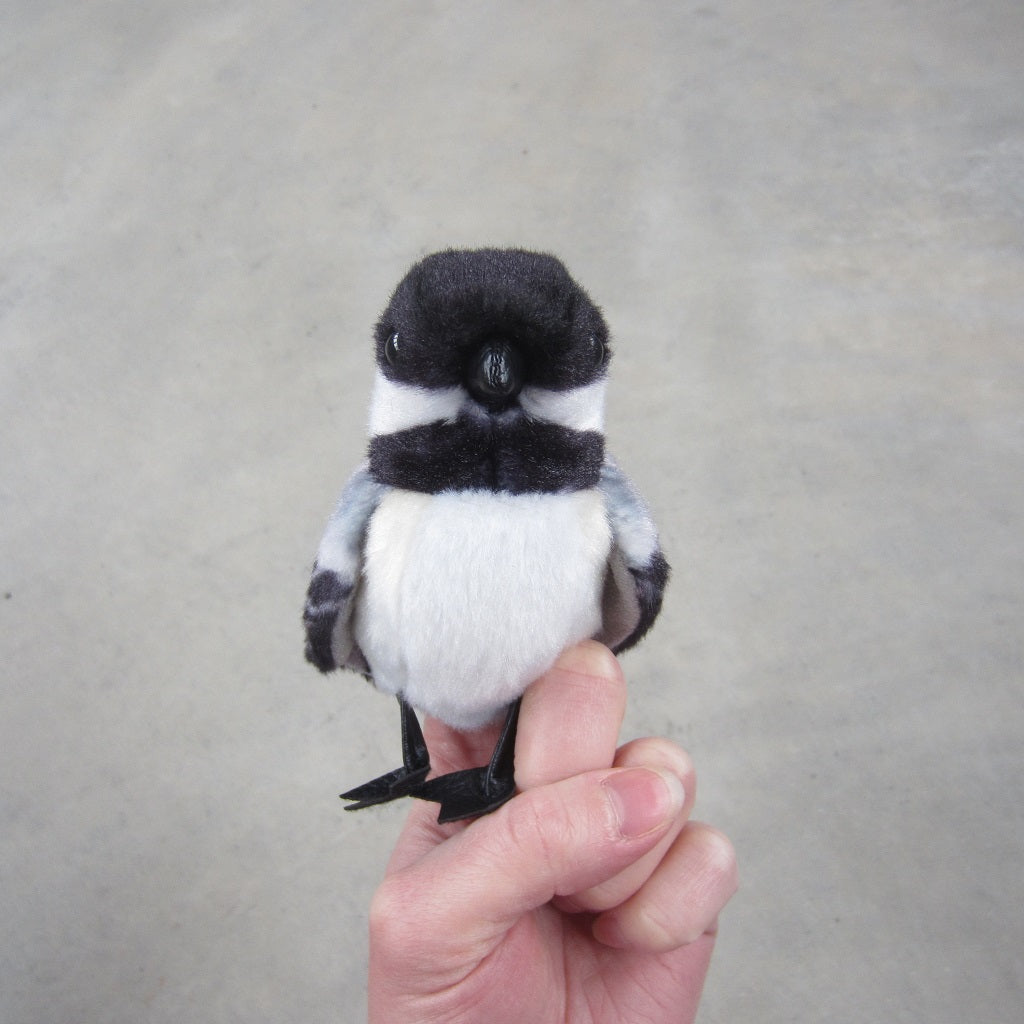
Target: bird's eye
pixel 391 349
pixel 598 350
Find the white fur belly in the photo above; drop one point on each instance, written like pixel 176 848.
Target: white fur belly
pixel 468 597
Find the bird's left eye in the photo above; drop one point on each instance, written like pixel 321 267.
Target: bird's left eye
pixel 391 349
pixel 598 350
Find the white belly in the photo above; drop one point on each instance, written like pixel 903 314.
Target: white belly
pixel 468 597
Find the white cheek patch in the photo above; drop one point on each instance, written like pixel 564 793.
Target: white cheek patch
pixel 577 409
pixel 396 406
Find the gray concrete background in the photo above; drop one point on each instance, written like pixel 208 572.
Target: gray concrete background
pixel 804 223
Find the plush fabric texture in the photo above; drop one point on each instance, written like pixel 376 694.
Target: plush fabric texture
pixel 514 558
pixel 518 456
pixel 637 570
pixel 483 536
pixel 581 408
pixel 336 576
pixel 634 529
pixel 469 596
pixel 328 594
pixel 649 587
pixel 395 406
pixel 341 547
pixel 450 301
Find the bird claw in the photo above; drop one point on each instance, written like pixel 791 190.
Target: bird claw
pixel 401 782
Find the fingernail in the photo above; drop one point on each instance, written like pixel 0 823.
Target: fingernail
pixel 643 800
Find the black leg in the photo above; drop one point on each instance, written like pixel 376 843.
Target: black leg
pixel 402 781
pixel 501 770
pixel 476 791
pixel 414 746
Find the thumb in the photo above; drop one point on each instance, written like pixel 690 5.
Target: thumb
pixel 552 840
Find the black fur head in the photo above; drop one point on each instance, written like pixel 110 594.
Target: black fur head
pixel 495 318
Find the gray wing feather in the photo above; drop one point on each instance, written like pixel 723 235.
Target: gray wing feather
pixel 637 570
pixel 332 589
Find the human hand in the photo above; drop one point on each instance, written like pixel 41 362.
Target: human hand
pixel 589 897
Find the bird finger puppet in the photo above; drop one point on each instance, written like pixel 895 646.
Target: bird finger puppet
pixel 487 530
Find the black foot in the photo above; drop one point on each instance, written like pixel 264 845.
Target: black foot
pixel 404 781
pixel 476 791
pixel 400 782
pixel 467 794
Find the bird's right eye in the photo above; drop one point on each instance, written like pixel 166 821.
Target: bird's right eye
pixel 391 349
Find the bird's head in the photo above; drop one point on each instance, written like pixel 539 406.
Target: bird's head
pixel 489 333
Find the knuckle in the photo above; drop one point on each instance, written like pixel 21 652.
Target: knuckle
pixel 537 823
pixel 662 928
pixel 690 929
pixel 662 934
pixel 699 896
pixel 529 824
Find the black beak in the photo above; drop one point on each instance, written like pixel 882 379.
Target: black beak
pixel 495 375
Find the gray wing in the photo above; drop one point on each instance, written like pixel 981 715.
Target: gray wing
pixel 637 570
pixel 332 589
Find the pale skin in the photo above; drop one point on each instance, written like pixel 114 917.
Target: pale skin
pixel 589 898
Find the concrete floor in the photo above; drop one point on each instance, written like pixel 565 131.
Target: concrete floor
pixel 805 223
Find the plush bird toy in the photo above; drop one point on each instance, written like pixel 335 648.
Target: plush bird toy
pixel 488 530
